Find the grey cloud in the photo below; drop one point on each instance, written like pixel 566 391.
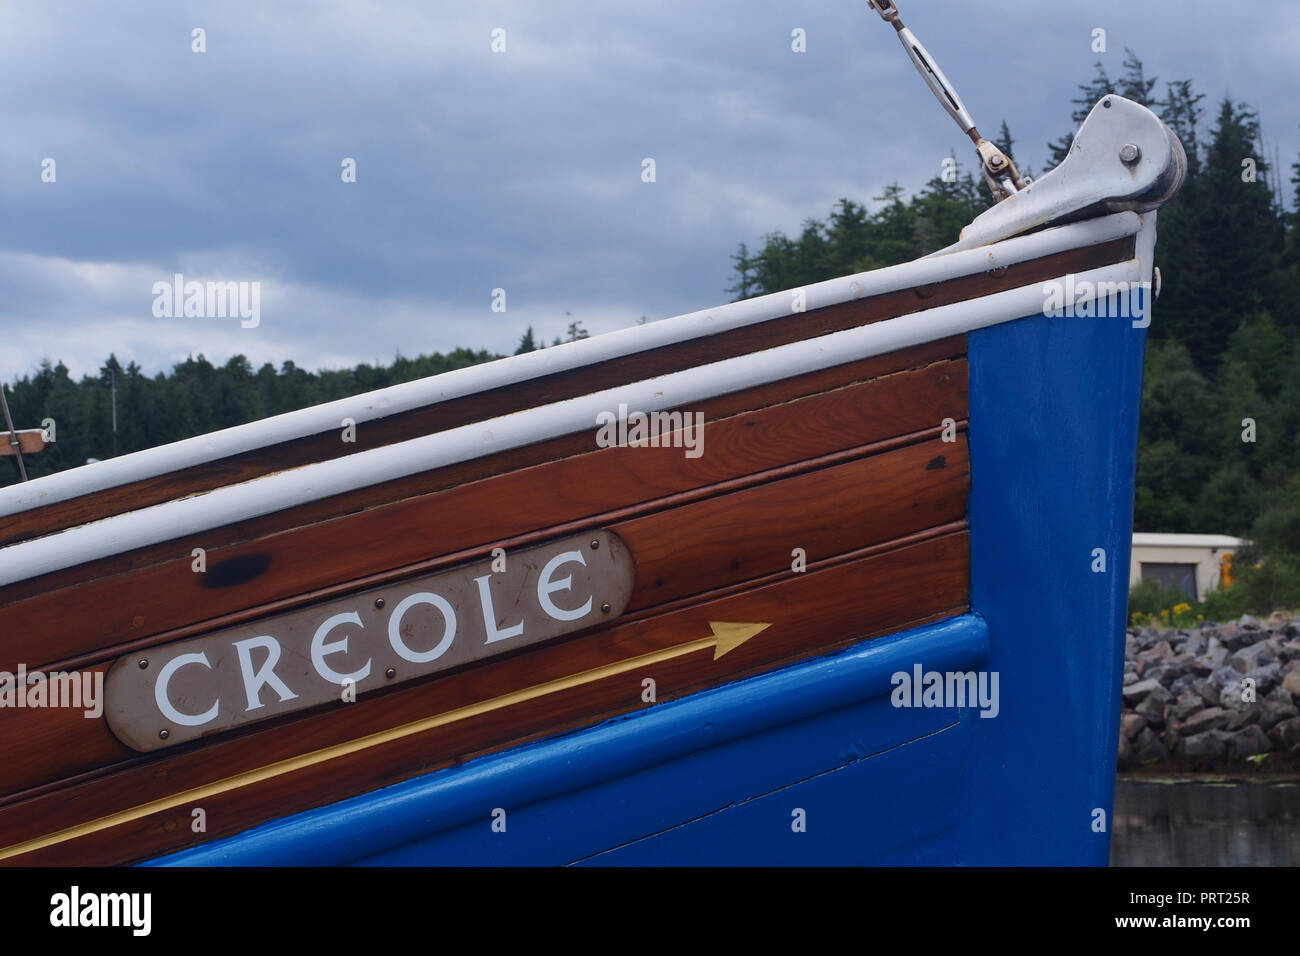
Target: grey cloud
pixel 520 170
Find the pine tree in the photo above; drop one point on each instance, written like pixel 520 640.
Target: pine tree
pixel 527 343
pixel 894 234
pixel 135 413
pixel 1234 210
pixel 1134 85
pixel 231 404
pixel 1181 111
pixel 848 235
pixel 1291 253
pixel 945 206
pixel 743 287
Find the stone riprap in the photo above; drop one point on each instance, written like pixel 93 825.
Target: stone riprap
pixel 1212 698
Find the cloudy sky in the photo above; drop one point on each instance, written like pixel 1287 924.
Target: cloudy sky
pixel 519 170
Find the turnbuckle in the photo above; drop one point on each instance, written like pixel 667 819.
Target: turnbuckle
pixel 999 171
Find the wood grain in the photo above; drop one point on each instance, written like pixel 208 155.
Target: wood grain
pixel 831 605
pixel 164 600
pixel 353 502
pixel 679 553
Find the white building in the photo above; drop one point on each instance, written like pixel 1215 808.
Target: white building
pixel 1193 563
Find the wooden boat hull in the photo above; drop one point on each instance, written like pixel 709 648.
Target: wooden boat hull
pixel 937 505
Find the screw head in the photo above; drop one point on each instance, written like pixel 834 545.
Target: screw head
pixel 390 673
pixel 605 608
pixel 379 602
pixel 1129 154
pixel 163 734
pixel 1105 104
pixel 144 662
pixel 595 544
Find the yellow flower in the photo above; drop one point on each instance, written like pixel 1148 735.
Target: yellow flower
pixel 1182 608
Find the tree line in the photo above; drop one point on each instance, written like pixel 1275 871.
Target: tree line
pixel 121 409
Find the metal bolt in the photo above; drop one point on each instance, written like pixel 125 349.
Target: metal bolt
pixel 1129 154
pixel 605 608
pixel 144 662
pixel 595 544
pixel 163 735
pixel 1105 104
pixel 379 602
pixel 390 673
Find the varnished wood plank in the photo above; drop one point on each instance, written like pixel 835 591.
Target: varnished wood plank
pixel 827 512
pixel 679 553
pixel 169 596
pixel 555 387
pixel 723 406
pixel 872 595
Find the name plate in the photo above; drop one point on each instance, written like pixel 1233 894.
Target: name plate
pixel 345 647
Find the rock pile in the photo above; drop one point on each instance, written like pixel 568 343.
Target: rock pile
pixel 1218 697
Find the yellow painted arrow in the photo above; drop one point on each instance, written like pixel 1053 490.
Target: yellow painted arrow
pixel 726 637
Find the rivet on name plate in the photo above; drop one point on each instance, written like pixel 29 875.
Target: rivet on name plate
pixel 390 673
pixel 144 662
pixel 605 608
pixel 379 602
pixel 162 734
pixel 595 545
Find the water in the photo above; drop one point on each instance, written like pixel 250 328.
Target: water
pixel 1204 821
